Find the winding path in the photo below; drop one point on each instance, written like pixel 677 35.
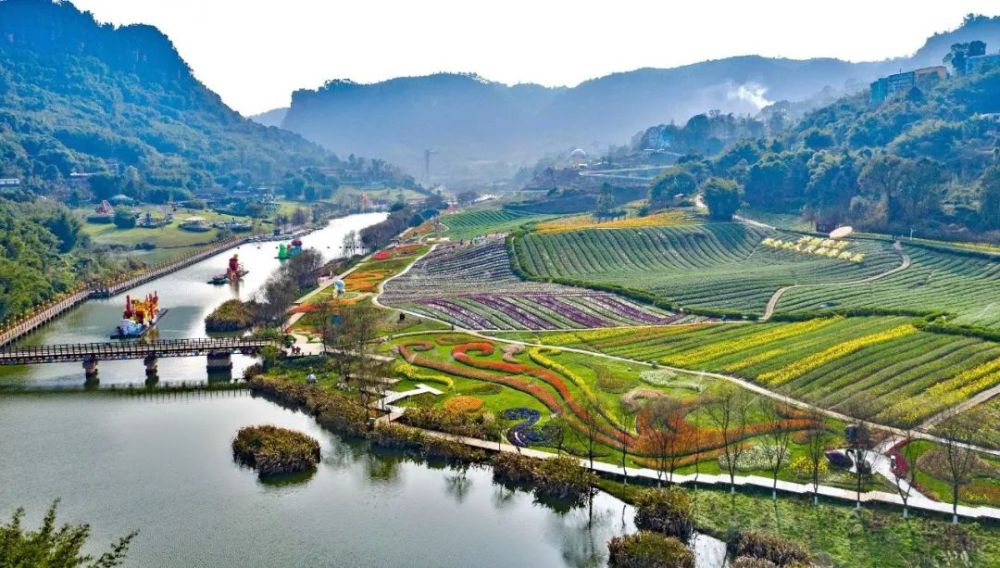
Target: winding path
pixel 772 304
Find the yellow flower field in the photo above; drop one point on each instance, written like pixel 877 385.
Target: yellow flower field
pixel 580 222
pixel 803 366
pixel 715 350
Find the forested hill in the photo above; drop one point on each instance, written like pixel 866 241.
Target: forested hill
pixel 76 96
pixel 927 159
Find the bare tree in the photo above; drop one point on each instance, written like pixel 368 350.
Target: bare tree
pixel 627 413
pixel 665 417
pixel 591 428
pixel 350 243
pixel 960 458
pixel 353 341
pixel 326 313
pixel 729 413
pixel 903 468
pixel 816 440
pixel 778 436
pixel 861 445
pixel 555 432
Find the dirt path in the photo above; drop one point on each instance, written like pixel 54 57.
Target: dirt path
pixel 772 304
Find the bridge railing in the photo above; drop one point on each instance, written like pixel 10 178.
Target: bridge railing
pixel 131 347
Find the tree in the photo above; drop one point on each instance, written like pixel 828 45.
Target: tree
pixel 555 432
pixel 66 227
pixel 816 440
pixel 55 546
pixel 960 459
pixel 353 345
pixel 778 436
pixel 349 246
pixel 860 444
pixel 674 181
pixel 300 216
pixel 626 412
pixel 961 52
pixel 989 203
pixel 722 197
pixel 124 218
pixel 729 412
pixel 605 206
pixel 666 417
pixel 467 197
pixel 904 467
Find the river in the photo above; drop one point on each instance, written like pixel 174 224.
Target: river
pixel 188 298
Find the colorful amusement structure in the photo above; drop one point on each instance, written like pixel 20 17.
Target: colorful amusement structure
pixel 139 316
pixel 235 271
pixel 288 251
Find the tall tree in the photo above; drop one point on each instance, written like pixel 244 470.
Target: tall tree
pixel 722 197
pixel 778 436
pixel 816 440
pixel 729 413
pixel 960 459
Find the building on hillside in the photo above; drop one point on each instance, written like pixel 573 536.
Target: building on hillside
pixel 901 83
pixel 982 63
pixel 10 182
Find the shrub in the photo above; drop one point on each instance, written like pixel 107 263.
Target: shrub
pixel 273 450
pixel 767 546
pixel 802 466
pixel 333 411
pixel 839 459
pixel 559 478
pixel 463 404
pixel 394 435
pixel 648 550
pixel 666 511
pixel 458 423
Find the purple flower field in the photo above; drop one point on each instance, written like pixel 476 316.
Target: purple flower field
pixel 473 287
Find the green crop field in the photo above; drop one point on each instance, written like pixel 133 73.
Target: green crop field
pixel 904 375
pixel 720 266
pixel 965 285
pixel 474 222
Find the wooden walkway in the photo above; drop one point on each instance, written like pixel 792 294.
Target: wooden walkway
pixel 47 313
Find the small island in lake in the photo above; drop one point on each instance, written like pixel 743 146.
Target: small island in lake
pixel 231 315
pixel 272 450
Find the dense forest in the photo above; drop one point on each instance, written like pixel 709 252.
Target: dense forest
pixel 927 159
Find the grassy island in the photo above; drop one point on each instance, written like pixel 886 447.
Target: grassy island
pixel 231 315
pixel 272 450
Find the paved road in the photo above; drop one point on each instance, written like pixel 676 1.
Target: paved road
pixel 772 304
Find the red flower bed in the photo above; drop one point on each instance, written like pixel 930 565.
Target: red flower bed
pixel 382 255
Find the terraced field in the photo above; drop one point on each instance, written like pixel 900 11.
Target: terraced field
pixel 476 222
pixel 963 285
pixel 840 363
pixel 473 287
pixel 719 265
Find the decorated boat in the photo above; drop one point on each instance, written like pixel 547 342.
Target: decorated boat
pixel 235 271
pixel 290 250
pixel 139 316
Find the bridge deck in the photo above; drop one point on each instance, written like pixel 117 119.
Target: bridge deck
pixel 128 350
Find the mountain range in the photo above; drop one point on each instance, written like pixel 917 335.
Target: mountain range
pixel 479 129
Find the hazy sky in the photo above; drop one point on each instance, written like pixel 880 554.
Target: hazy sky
pixel 255 53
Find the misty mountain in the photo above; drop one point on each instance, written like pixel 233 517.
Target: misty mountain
pixel 272 117
pixel 480 129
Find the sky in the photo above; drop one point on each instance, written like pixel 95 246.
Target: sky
pixel 254 53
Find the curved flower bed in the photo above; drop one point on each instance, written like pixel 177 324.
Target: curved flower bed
pixel 524 433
